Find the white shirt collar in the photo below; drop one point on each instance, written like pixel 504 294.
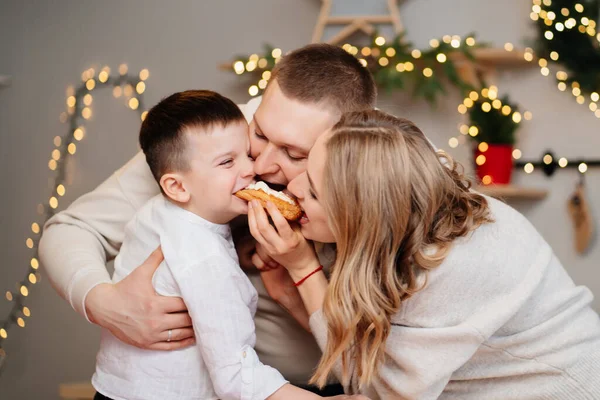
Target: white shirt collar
pixel 220 229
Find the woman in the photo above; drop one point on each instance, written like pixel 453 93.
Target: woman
pixel 436 291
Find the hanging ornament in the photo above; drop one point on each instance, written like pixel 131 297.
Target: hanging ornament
pixel 583 222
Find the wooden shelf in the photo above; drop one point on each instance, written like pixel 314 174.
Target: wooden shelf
pixel 226 66
pixel 495 57
pixel 487 63
pixel 510 192
pixel 76 391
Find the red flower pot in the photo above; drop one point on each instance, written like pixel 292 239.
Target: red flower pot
pixel 495 164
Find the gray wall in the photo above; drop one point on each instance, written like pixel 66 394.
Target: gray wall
pixel 45 45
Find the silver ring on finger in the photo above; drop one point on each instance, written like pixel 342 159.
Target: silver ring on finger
pixel 170 334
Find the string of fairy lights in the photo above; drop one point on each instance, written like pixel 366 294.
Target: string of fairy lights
pixel 571 18
pixel 79 109
pixel 264 63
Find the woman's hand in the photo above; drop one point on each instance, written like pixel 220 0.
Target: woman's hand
pixel 286 245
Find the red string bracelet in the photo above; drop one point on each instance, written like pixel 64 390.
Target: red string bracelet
pixel 301 281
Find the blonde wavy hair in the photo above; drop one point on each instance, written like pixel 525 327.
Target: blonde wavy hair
pixel 395 206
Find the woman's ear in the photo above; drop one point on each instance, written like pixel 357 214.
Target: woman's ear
pixel 173 186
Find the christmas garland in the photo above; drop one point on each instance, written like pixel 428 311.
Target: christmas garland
pixel 567 34
pixel 395 64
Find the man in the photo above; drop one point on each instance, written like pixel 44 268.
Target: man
pixel 309 90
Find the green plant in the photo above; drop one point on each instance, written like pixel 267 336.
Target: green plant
pixel 493 120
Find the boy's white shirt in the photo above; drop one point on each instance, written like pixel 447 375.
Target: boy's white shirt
pixel 201 266
pixel 78 241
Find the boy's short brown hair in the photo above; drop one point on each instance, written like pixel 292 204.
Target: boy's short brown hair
pixel 162 133
pixel 323 73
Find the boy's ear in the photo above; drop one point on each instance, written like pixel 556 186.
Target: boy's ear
pixel 173 186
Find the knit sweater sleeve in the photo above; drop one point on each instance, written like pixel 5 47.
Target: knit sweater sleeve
pixel 77 242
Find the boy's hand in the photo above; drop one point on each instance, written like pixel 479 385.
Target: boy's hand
pixel 262 260
pixel 251 254
pixel 244 246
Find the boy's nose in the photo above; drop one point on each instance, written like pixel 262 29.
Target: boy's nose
pixel 248 169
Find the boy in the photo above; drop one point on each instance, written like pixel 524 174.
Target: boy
pixel 196 145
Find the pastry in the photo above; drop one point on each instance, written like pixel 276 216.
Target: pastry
pixel 287 205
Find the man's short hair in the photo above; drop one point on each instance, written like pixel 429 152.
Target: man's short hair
pixel 162 135
pixel 326 74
